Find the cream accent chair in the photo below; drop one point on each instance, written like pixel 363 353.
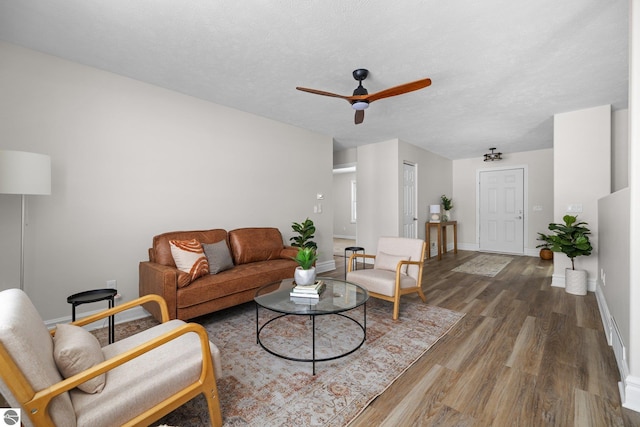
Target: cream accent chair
pixel 147 375
pixel 397 270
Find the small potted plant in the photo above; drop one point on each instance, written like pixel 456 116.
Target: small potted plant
pixel 571 238
pixel 305 273
pixel 545 247
pixel 447 205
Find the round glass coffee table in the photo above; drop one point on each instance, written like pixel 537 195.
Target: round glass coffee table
pixel 337 298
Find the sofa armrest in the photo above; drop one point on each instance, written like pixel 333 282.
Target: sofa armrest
pixel 289 252
pixel 160 280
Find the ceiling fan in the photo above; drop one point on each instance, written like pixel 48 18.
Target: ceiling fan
pixel 361 98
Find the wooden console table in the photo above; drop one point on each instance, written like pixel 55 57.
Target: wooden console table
pixel 442 237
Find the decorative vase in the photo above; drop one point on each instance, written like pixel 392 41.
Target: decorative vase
pixel 446 216
pixel 546 254
pixel 304 277
pixel 575 281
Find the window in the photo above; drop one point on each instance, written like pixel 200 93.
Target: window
pixel 353 202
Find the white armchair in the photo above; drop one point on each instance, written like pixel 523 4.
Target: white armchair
pixel 132 382
pixel 397 270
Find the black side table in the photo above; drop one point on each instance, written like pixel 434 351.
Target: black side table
pixel 352 249
pixel 95 295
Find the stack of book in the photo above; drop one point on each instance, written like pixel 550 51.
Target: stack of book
pixel 308 291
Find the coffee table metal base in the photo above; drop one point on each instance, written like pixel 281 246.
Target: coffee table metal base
pixel 313 359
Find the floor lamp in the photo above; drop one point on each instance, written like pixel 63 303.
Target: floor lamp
pixel 25 174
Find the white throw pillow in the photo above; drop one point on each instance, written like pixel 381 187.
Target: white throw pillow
pixel 76 350
pixel 385 261
pixel 189 257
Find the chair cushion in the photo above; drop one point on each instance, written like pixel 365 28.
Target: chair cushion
pixel 145 381
pixel 380 281
pixel 76 350
pixel 385 261
pixel 28 342
pixel 406 247
pixel 218 256
pixel 189 257
pixel 255 244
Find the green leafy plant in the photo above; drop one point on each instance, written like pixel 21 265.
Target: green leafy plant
pixel 306 257
pixel 570 238
pixel 447 204
pixel 546 241
pixel 305 232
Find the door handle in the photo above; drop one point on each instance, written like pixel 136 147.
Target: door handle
pixel 519 217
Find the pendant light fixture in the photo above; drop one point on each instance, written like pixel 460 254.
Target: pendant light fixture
pixel 490 157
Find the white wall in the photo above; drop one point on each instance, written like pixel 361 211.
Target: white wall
pixel 582 171
pixel 619 149
pixel 342 225
pixel 539 164
pixel 131 160
pixel 379 175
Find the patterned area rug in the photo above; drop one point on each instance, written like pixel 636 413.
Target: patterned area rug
pixel 259 389
pixel 484 265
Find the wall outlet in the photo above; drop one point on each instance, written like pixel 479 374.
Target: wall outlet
pixel 113 284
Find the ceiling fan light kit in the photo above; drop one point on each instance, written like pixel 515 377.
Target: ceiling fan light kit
pixel 490 157
pixel 361 98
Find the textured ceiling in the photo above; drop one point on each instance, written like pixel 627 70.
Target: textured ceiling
pixel 500 68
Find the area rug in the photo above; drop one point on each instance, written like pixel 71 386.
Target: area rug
pixel 484 265
pixel 260 389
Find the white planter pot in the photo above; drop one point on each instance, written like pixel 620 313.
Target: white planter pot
pixel 304 277
pixel 575 281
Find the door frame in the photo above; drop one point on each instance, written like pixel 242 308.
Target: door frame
pixel 525 197
pixel 414 197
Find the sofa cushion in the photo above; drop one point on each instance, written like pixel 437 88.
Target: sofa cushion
pixel 255 244
pixel 76 350
pixel 112 407
pixel 189 257
pixel 160 252
pixel 218 256
pixel 239 279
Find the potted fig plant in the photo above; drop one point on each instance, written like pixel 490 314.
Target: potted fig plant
pixel 305 273
pixel 572 239
pixel 305 232
pixel 447 205
pixel 545 247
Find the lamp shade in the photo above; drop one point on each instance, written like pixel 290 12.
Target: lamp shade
pixel 434 209
pixel 24 173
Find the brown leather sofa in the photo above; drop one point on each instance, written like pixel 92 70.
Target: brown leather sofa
pixel 259 257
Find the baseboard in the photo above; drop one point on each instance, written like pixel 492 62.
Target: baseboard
pixel 344 236
pixel 629 386
pixel 321 267
pixel 134 313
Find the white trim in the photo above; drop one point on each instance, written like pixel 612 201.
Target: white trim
pixel 134 313
pixel 629 386
pixel 321 267
pixel 525 197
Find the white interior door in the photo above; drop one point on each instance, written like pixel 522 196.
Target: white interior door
pixel 409 203
pixel 501 211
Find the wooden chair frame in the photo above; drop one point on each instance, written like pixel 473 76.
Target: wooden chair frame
pixel 395 299
pixel 35 404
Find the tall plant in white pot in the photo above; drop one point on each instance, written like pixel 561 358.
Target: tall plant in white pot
pixel 571 238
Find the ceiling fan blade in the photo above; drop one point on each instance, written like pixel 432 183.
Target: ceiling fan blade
pixel 359 117
pixel 399 90
pixel 321 92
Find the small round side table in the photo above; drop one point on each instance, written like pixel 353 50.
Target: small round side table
pixel 352 249
pixel 95 295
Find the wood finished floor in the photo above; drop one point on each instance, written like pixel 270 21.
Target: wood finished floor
pixel 525 354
